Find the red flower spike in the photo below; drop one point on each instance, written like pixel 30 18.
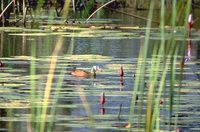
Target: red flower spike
pixel 121 71
pixel 102 99
pixel 190 24
pixel 190 21
pixel 1 64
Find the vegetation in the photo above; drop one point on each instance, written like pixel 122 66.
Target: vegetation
pixel 157 79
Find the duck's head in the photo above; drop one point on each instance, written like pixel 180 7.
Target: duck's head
pixel 95 69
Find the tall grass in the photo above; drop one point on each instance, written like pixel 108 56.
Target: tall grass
pixel 163 59
pixel 140 73
pixel 43 123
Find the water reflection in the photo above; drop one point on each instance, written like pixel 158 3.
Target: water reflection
pixel 102 110
pixel 189 50
pixel 21 45
pixel 102 101
pixel 3 113
pixel 121 83
pixel 119 113
pixel 198 51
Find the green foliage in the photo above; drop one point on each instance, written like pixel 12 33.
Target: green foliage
pixel 86 12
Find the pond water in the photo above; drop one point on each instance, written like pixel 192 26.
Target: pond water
pixel 26 56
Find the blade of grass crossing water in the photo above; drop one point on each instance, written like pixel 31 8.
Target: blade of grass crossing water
pixel 172 82
pixel 173 23
pixel 142 57
pixel 33 85
pixel 150 92
pixel 155 70
pixel 49 83
pixel 55 100
pixel 86 106
pixel 174 14
pixel 155 117
pixel 66 9
pixel 51 72
pixel 173 60
pixel 187 12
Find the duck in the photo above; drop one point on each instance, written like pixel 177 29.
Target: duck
pixel 83 73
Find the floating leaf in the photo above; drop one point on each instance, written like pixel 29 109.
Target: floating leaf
pixel 28 34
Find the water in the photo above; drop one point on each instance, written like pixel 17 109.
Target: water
pixel 108 49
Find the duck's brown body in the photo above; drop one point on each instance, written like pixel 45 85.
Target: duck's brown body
pixel 81 73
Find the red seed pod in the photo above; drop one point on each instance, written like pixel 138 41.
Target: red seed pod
pixel 190 24
pixel 190 19
pixel 102 98
pixel 121 71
